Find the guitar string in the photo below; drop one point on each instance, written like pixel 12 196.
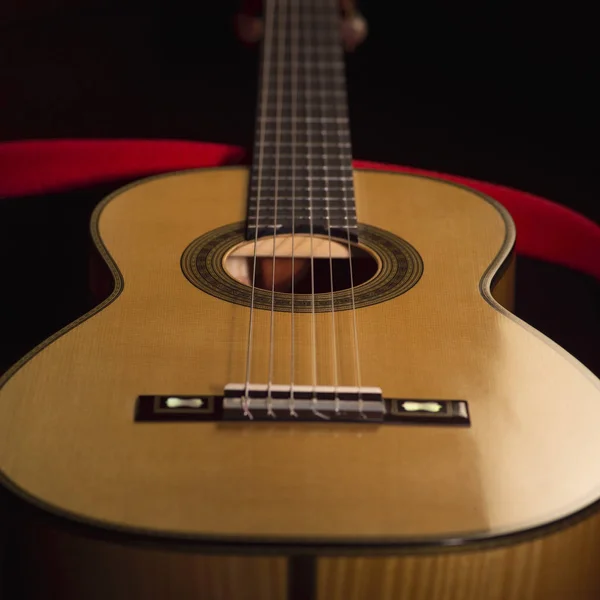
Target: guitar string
pixel 345 191
pixel 322 87
pixel 281 38
pixel 294 92
pixel 309 139
pixel 263 109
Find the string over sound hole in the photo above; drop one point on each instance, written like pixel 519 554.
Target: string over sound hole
pixel 317 256
pixel 207 264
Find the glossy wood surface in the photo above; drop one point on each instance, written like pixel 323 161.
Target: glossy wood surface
pixel 532 455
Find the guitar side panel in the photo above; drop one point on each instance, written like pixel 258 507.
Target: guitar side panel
pixel 556 566
pixel 563 564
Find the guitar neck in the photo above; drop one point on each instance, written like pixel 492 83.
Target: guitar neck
pixel 301 178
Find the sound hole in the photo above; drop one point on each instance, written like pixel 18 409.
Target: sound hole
pixel 283 270
pixel 218 264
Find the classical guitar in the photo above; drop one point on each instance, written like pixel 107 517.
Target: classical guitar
pixel 307 382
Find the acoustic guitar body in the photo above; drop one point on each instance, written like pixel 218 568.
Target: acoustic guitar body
pixel 127 496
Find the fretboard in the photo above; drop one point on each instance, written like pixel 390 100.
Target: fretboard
pixel 301 177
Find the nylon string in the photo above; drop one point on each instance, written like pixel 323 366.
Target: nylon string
pixel 342 117
pixel 294 91
pixel 309 44
pixel 322 89
pixel 281 38
pixel 265 85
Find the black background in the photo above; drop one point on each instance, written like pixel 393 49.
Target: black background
pixel 497 91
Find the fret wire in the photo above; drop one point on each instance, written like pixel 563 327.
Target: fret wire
pixel 305 125
pixel 320 52
pixel 268 104
pixel 337 67
pixel 323 145
pixel 335 170
pixel 336 77
pixel 315 54
pixel 329 111
pixel 302 168
pixel 351 221
pixel 269 120
pixel 305 133
pixel 307 142
pixel 304 122
pixel 308 155
pixel 309 94
pixel 309 119
pixel 310 129
pixel 318 160
pixel 254 227
pixel 303 202
pixel 337 195
pixel 303 205
pixel 324 37
pixel 336 188
pixel 351 224
pixel 314 21
pixel 340 178
pixel 320 224
pixel 322 162
pixel 301 208
pixel 309 150
pixel 303 222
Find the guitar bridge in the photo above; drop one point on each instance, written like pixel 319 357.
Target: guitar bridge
pixel 280 404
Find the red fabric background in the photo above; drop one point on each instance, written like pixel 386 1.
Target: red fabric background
pixel 545 230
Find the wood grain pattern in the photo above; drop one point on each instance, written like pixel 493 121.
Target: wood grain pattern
pixel 69 566
pixel 532 455
pixel 565 565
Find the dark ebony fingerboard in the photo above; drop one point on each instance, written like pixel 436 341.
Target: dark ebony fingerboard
pixel 302 171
